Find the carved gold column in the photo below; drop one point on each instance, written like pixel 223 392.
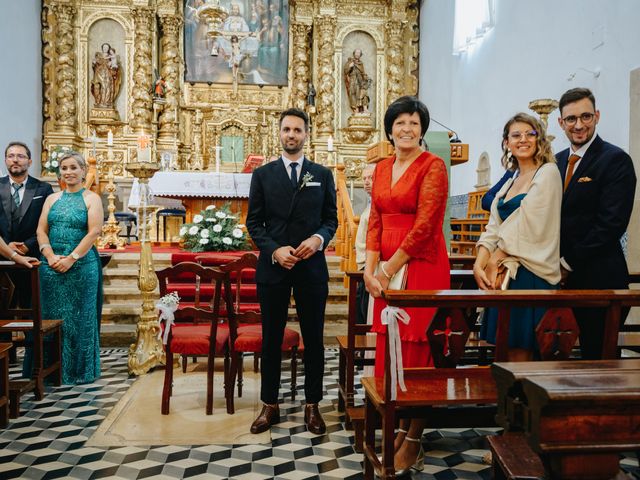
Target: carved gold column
pixel 413 47
pixel 300 64
pixel 141 105
pixel 326 27
pixel 170 27
pixel 65 79
pixel 48 67
pixel 395 60
pixel 147 352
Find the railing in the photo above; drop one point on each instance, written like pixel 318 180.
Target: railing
pixel 347 225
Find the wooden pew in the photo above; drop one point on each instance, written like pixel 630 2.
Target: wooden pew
pixel 4 384
pixel 450 386
pixel 577 415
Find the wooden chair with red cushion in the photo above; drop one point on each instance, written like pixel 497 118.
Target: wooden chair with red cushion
pixel 194 327
pixel 249 322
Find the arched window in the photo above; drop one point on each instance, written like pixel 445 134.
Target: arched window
pixel 473 19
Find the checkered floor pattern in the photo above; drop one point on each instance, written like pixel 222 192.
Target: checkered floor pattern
pixel 48 441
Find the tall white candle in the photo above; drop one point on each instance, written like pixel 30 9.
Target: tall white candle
pixel 110 138
pixel 330 144
pixel 218 147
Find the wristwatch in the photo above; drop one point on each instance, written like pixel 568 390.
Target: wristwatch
pixel 75 256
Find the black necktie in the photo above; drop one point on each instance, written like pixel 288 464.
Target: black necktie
pixel 294 177
pixel 16 193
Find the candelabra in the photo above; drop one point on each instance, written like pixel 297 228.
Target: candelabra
pixel 147 352
pixel 110 237
pixel 543 107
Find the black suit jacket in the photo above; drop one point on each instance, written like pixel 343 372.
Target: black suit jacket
pixel 280 215
pixel 23 228
pixel 596 208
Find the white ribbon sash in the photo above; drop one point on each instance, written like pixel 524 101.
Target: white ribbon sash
pixel 166 315
pixel 390 317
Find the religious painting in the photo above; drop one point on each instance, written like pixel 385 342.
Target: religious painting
pixel 252 47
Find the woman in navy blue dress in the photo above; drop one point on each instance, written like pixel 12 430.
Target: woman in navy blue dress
pixel 523 233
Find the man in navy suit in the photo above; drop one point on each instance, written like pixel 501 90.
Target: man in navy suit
pixel 292 217
pixel 599 186
pixel 22 198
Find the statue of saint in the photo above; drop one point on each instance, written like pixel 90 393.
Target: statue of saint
pixel 107 77
pixel 357 82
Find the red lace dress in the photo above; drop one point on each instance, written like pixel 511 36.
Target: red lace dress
pixel 410 216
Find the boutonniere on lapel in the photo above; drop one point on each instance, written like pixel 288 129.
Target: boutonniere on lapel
pixel 306 178
pixel 585 179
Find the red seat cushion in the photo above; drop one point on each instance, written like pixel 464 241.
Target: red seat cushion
pixel 194 339
pixel 250 339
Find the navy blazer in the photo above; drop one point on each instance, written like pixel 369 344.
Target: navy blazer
pixel 35 193
pixel 596 208
pixel 280 215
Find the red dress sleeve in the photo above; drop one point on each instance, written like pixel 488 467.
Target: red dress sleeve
pixel 433 193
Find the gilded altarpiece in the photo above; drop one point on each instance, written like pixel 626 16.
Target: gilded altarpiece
pixel 347 60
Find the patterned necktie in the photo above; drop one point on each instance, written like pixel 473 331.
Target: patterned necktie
pixel 16 193
pixel 572 162
pixel 294 177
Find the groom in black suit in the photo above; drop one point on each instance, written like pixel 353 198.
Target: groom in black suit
pixel 599 186
pixel 292 217
pixel 22 198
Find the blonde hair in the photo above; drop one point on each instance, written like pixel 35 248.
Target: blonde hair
pixel 543 154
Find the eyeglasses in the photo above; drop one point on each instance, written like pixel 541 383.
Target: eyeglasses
pixel 19 156
pixel 530 135
pixel 585 118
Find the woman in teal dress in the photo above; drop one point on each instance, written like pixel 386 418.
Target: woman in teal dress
pixel 523 233
pixel 71 273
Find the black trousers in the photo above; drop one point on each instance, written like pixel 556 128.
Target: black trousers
pixel 310 299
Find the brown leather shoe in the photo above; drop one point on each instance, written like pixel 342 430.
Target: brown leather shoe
pixel 313 419
pixel 268 417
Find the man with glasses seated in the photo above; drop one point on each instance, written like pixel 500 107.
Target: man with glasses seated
pixel 21 201
pixel 599 187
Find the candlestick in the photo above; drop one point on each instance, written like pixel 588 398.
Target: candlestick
pixel 110 138
pixel 330 144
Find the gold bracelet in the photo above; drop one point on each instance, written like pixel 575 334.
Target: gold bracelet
pixel 384 271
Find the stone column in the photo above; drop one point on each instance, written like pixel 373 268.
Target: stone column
pixel 170 28
pixel 142 102
pixel 395 60
pixel 326 28
pixel 65 76
pixel 300 64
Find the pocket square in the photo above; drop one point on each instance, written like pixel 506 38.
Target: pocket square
pixel 584 179
pixel 39 196
pixel 313 184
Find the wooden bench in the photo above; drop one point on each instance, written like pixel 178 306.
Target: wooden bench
pixel 29 321
pixel 443 387
pixel 4 384
pixel 578 416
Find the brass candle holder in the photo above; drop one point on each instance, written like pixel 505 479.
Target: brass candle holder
pixel 147 352
pixel 110 237
pixel 543 107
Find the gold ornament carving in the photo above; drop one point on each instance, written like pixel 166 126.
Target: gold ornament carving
pixel 413 46
pixel 48 67
pixel 117 163
pixel 203 96
pixel 170 73
pixel 326 25
pixel 141 105
pixel 65 69
pixel 395 60
pixel 300 65
pixel 351 9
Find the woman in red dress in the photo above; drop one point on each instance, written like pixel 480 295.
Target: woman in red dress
pixel 409 198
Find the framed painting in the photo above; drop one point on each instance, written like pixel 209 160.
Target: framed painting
pixel 253 47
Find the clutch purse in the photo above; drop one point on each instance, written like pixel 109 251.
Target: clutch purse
pixel 399 280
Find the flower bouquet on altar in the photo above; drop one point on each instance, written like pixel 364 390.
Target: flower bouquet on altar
pixel 52 165
pixel 214 230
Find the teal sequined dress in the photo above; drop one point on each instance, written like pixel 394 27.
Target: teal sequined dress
pixel 76 295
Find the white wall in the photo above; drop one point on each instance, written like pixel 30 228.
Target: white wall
pixel 531 53
pixel 21 77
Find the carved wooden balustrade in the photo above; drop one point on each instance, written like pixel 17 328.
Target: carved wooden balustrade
pixel 347 225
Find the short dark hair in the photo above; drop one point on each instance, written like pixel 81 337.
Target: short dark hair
pixel 406 104
pixel 17 144
pixel 295 112
pixel 574 95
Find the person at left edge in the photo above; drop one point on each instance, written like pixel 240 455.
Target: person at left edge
pixel 292 217
pixel 19 218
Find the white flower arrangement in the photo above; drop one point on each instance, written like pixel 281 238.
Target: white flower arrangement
pixel 214 229
pixel 52 165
